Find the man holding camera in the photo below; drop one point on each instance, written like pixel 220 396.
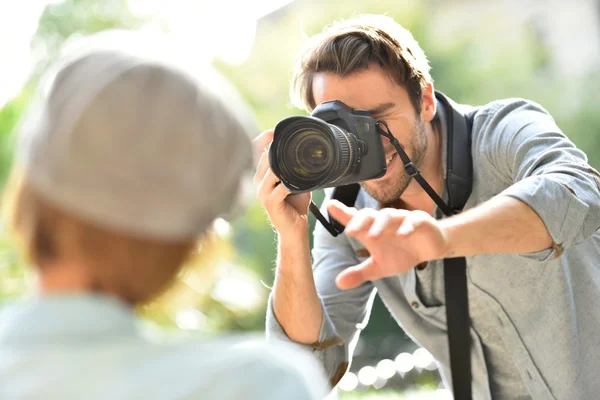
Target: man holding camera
pixel 528 229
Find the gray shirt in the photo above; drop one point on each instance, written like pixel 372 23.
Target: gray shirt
pixel 77 346
pixel 535 319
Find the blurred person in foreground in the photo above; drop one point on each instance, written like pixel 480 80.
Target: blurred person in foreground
pixel 528 232
pixel 123 164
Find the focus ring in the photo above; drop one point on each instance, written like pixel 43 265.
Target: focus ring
pixel 347 152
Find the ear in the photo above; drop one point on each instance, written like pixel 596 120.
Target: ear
pixel 428 103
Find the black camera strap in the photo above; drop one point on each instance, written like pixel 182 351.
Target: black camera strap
pixel 411 169
pixel 459 181
pixel 346 194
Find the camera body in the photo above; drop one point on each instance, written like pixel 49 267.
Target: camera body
pixel 333 147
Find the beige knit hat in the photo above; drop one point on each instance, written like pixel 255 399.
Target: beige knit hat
pixel 135 143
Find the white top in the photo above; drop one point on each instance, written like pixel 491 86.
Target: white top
pixel 88 347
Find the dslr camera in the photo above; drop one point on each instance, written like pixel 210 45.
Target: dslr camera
pixel 335 146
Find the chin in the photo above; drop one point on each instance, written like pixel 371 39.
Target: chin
pixel 386 190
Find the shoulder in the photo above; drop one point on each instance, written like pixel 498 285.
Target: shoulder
pixel 511 112
pixel 262 370
pixel 501 126
pixel 298 363
pixel 510 105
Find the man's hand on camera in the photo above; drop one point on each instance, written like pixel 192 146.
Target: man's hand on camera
pixel 288 213
pixel 397 240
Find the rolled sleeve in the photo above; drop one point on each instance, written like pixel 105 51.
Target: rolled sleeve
pixel 329 349
pixel 545 170
pixel 345 312
pixel 562 212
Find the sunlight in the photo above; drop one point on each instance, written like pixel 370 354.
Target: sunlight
pixel 225 29
pixel 18 23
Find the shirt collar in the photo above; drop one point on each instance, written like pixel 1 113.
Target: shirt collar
pixel 74 316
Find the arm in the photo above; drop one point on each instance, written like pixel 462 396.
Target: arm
pixel 500 225
pixel 293 305
pixel 551 202
pixel 544 170
pixel 552 199
pixel 305 305
pixel 342 314
pixel 296 304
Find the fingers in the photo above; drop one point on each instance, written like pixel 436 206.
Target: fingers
pixel 264 178
pixel 260 143
pixel 367 223
pixel 261 169
pixel 411 223
pixel 382 222
pixel 407 227
pixel 355 276
pixel 266 186
pixel 270 192
pixel 340 212
pixel 361 222
pixel 278 195
pixel 350 217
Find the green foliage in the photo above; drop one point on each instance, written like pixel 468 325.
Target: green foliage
pixel 386 394
pixel 9 116
pixel 14 276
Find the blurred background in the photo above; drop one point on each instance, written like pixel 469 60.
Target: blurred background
pixel 547 51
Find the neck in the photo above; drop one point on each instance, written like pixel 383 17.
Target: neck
pixel 414 197
pixel 57 278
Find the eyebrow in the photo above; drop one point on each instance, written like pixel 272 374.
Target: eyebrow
pixel 380 109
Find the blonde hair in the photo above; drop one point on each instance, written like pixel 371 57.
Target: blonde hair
pixel 133 268
pixel 352 45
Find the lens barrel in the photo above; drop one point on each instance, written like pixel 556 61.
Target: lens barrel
pixel 308 153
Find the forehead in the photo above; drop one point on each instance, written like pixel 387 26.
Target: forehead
pixel 365 89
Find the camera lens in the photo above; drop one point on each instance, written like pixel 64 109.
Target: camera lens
pixel 311 152
pixel 308 153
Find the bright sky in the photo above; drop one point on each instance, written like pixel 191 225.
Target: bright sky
pixel 229 25
pixel 18 23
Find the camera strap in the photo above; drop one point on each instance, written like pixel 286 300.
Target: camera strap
pixel 459 181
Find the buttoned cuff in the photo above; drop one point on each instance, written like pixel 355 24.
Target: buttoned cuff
pixel 329 349
pixel 560 209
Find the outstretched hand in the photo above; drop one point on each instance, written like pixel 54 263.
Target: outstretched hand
pixel 397 240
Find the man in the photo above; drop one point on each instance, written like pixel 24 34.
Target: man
pixel 528 230
pixel 120 171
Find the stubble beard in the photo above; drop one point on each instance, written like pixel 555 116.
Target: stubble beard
pixel 390 188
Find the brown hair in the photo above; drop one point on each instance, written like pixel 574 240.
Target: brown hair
pixel 352 45
pixel 132 268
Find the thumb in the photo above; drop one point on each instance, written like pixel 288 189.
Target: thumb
pixel 357 275
pixel 340 212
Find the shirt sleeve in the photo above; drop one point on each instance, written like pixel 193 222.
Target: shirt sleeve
pixel 345 312
pixel 545 170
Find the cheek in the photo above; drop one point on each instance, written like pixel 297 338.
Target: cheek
pixel 401 130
